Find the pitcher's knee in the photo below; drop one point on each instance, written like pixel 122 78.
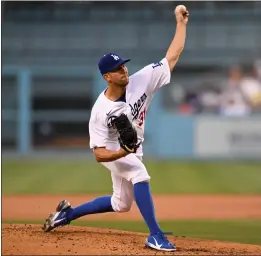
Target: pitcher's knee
pixel 121 206
pixel 124 207
pixel 140 176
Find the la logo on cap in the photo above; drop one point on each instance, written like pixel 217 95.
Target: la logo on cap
pixel 115 57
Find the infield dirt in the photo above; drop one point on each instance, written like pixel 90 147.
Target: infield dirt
pixel 25 239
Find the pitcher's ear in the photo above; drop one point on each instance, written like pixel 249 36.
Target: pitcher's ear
pixel 106 76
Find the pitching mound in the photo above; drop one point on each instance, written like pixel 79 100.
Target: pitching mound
pixel 72 240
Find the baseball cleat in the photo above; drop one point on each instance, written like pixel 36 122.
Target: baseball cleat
pixel 58 218
pixel 160 242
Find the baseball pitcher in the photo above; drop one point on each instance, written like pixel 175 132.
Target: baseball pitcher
pixel 116 129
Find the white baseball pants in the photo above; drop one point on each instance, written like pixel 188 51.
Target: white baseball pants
pixel 125 172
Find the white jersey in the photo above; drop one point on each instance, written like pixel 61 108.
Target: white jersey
pixel 139 92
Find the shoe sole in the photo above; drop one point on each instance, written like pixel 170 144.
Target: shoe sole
pixel 49 223
pixel 47 227
pixel 152 246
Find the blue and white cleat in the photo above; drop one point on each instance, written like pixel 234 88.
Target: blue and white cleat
pixel 160 242
pixel 59 218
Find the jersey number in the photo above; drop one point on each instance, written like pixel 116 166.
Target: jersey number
pixel 157 64
pixel 142 117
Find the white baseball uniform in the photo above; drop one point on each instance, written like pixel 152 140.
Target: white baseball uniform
pixel 127 171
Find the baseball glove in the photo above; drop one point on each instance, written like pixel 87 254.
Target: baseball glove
pixel 127 134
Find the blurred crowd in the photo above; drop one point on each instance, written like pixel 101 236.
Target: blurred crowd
pixel 237 94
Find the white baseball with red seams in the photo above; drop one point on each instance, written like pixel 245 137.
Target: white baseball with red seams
pixel 128 170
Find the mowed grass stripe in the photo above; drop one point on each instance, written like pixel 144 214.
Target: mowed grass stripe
pixel 79 176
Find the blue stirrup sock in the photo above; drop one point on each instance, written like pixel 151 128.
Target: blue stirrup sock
pixel 144 202
pixel 98 205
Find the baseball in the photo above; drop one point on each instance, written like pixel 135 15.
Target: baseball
pixel 179 8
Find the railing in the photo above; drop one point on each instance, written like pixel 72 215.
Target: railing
pixel 24 115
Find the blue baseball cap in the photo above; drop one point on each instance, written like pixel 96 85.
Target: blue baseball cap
pixel 110 62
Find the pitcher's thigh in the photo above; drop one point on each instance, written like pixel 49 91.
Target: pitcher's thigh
pixel 130 168
pixel 122 197
pixel 125 172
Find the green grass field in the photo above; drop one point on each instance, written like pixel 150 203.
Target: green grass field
pixel 79 176
pixel 241 231
pixel 179 177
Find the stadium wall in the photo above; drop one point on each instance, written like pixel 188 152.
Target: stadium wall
pixel 168 135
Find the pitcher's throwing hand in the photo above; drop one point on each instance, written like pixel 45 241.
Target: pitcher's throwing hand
pixel 182 14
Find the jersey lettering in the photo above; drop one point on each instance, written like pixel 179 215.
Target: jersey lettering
pixel 135 109
pixel 158 64
pixel 142 117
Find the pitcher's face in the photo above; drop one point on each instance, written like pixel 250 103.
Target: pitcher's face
pixel 119 76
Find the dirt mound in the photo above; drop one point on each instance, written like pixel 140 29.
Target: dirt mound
pixel 72 240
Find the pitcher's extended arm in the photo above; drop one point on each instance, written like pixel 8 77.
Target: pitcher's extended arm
pixel 178 42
